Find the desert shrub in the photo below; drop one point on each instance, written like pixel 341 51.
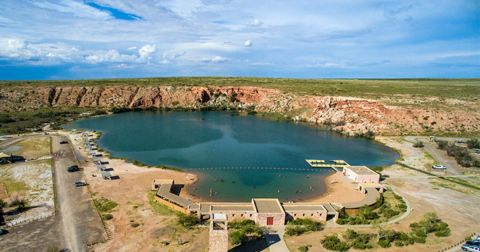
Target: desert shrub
pixel 187 220
pixel 104 204
pixel 442 144
pixel 367 213
pixel 461 154
pixel 243 231
pixel 418 144
pixel 473 143
pixel 106 216
pixel 430 224
pixel 20 203
pixel 332 242
pixel 300 226
pixel 358 240
pixel 304 248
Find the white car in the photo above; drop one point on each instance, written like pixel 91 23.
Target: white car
pixel 439 166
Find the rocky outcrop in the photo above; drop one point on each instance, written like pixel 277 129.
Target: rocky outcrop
pixel 344 114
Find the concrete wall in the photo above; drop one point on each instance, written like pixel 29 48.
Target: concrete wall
pixel 361 178
pixel 314 215
pixel 239 215
pixel 278 219
pixel 172 206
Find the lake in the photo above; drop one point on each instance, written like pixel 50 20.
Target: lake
pixel 236 157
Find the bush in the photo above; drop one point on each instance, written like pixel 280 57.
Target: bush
pixel 106 216
pixel 418 144
pixel 304 248
pixel 19 203
pixel 243 231
pixel 473 143
pixel 300 226
pixel 104 204
pixel 442 144
pixel 332 242
pixel 187 220
pixel 384 243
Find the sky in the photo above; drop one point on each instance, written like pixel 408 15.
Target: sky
pixel 66 39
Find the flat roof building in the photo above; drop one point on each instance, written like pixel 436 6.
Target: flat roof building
pixel 361 174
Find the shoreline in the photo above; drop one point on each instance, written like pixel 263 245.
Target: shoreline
pixel 337 188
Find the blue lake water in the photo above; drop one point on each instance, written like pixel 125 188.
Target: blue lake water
pixel 236 157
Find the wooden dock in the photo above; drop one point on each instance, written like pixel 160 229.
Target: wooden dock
pixel 337 165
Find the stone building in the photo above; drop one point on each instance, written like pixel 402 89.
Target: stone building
pixel 361 174
pixel 218 235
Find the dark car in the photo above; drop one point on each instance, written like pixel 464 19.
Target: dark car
pixel 473 245
pixel 64 142
pixel 80 183
pixel 3 231
pixel 73 168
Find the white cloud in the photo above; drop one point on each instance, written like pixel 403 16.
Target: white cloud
pixel 132 48
pixel 145 51
pixel 256 22
pixel 109 56
pixel 215 59
pixel 248 43
pixel 40 53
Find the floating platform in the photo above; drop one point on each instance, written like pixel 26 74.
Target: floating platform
pixel 335 164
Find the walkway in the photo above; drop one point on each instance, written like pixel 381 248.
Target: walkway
pixel 276 242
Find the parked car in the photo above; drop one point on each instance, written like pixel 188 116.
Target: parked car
pixel 64 142
pixel 439 166
pixel 3 231
pixel 472 245
pixel 73 168
pixel 80 183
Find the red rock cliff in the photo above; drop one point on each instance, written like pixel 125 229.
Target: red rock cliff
pixel 346 114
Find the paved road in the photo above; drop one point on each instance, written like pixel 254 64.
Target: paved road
pixel 80 223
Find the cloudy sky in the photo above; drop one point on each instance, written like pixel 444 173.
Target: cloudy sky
pixel 66 39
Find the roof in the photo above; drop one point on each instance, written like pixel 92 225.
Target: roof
pixel 371 197
pixel 165 185
pixel 175 199
pixel 268 206
pixel 233 207
pixel 361 170
pixel 3 155
pixel 303 207
pixel 219 216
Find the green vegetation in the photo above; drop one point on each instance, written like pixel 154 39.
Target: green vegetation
pixel 449 179
pixel 301 226
pixel 473 143
pixel 104 205
pixel 304 248
pixel 13 186
pixel 419 232
pixel 418 144
pixel 387 207
pixel 20 203
pixel 243 231
pixel 332 242
pixel 187 220
pixel 461 154
pixel 464 89
pixel 107 216
pixel 26 121
pixel 157 206
pixel 358 240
